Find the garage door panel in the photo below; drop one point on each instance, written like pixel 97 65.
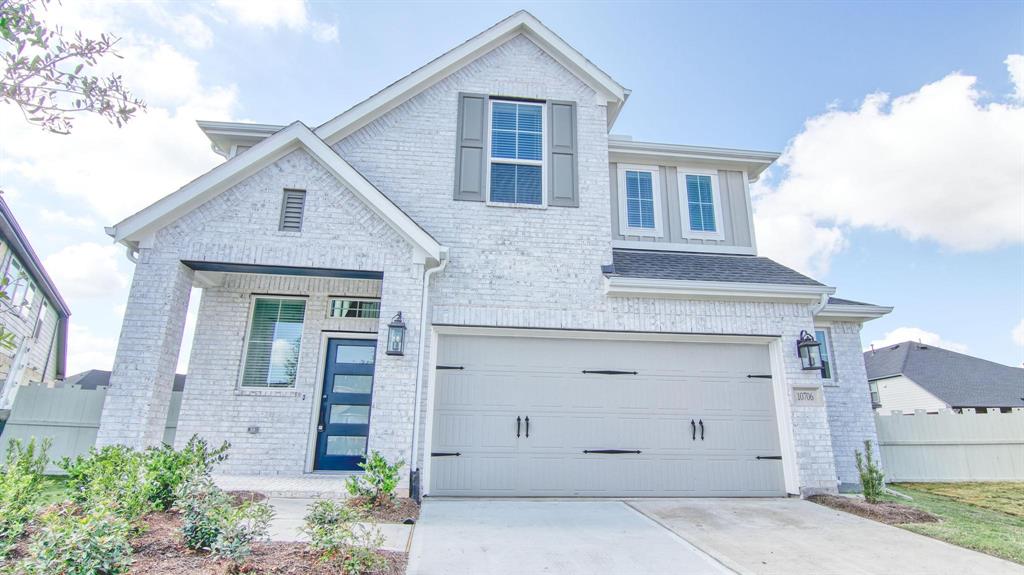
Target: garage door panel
pixel 468 475
pixel 469 432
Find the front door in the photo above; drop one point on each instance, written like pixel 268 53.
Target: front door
pixel 345 404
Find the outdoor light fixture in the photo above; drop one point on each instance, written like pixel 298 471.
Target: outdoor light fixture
pixel 807 348
pixel 396 335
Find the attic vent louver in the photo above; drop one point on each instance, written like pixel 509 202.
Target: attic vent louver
pixel 292 207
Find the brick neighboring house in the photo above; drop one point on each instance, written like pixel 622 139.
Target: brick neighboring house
pixel 583 314
pixel 35 313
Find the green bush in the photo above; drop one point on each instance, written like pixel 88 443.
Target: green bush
pixel 75 542
pixel 113 477
pixel 338 531
pixel 167 469
pixel 213 521
pixel 238 526
pixel 21 481
pixel 871 477
pixel 377 484
pixel 197 500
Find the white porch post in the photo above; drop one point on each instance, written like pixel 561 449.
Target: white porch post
pixel 135 411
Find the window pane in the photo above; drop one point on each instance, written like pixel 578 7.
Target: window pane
pixel 823 352
pixel 700 203
pixel 530 146
pixel 353 383
pixel 503 116
pixel 350 414
pixel 275 336
pixel 639 199
pixel 529 118
pixel 528 185
pixel 503 183
pixel 355 308
pixel 361 354
pixel 346 445
pixel 503 144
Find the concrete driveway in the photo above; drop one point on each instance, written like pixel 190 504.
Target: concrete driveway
pixel 678 536
pixel 526 537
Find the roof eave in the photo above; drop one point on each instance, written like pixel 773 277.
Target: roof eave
pixel 652 287
pixel 754 162
pixel 854 313
pixel 23 249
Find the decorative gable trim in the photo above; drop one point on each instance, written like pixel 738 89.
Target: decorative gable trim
pixel 296 136
pixel 521 22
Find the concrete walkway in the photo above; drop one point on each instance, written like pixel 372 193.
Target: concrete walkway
pixel 527 537
pixel 289 516
pixel 793 537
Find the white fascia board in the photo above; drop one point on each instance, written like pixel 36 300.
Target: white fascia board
pixel 521 22
pixel 136 228
pixel 752 161
pixel 854 313
pixel 223 134
pixel 633 287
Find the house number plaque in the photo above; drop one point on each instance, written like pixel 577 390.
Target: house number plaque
pixel 808 396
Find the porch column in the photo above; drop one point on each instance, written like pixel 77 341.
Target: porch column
pixel 135 410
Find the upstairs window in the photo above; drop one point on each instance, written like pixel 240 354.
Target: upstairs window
pixel 639 201
pixel 275 338
pixel 516 172
pixel 354 308
pixel 293 207
pixel 700 204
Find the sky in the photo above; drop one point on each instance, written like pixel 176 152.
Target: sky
pixel 901 129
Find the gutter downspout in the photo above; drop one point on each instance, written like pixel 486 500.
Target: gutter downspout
pixel 420 367
pixel 820 305
pixel 132 254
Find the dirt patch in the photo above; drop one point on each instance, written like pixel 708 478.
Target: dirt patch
pixel 888 513
pixel 401 509
pixel 160 551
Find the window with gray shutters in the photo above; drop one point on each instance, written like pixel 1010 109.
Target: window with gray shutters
pixel 292 207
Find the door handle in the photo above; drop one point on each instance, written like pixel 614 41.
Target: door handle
pixel 527 426
pixel 320 427
pixel 693 430
pixel 519 421
pixel 702 430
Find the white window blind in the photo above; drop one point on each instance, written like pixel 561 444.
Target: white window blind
pixel 275 337
pixel 517 153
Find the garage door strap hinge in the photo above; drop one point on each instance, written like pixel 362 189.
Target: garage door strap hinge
pixel 611 451
pixel 769 457
pixel 759 376
pixel 445 454
pixel 450 367
pixel 609 372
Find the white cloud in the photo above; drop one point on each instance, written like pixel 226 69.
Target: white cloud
pixel 1015 64
pixel 86 270
pixel 271 14
pixel 86 350
pixel 937 164
pixel 1018 333
pixel 917 334
pixel 62 219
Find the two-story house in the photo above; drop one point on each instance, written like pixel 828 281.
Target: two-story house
pixel 33 313
pixel 465 271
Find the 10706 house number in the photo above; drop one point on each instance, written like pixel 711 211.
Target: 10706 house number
pixel 808 396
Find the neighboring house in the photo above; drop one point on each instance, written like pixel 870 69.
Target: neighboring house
pixel 466 272
pixel 98 378
pixel 34 312
pixel 909 376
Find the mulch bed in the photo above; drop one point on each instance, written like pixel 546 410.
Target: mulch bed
pixel 401 509
pixel 888 513
pixel 160 551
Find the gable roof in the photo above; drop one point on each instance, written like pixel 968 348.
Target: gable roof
pixel 959 380
pixel 293 137
pixel 522 22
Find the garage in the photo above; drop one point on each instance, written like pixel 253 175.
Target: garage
pixel 601 417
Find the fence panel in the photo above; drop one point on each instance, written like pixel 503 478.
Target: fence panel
pixel 69 416
pixel 950 446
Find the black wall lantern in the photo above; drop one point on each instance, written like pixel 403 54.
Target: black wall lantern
pixel 808 350
pixel 396 335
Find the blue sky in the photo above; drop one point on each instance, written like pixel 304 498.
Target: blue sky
pixel 745 75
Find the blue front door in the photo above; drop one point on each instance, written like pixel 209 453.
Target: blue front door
pixel 345 404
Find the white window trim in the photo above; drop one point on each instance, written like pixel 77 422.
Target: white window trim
pixel 829 353
pixel 624 228
pixel 330 300
pixel 266 389
pixel 684 205
pixel 543 163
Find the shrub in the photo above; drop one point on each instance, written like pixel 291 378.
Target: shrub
pixel 70 542
pixel 871 477
pixel 167 469
pixel 21 480
pixel 377 484
pixel 198 500
pixel 213 521
pixel 113 477
pixel 338 531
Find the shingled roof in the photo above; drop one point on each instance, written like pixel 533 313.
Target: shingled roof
pixel 957 379
pixel 705 267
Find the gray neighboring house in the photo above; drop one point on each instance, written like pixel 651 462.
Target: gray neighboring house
pixel 467 272
pixel 908 376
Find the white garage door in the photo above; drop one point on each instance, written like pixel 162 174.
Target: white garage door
pixel 517 416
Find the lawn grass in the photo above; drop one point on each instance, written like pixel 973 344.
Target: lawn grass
pixel 986 517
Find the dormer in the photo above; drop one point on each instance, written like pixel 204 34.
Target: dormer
pixel 672 197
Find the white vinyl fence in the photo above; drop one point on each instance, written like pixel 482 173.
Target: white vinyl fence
pixel 950 446
pixel 69 416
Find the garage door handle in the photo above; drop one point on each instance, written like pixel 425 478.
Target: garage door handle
pixel 519 422
pixel 445 454
pixel 527 426
pixel 769 457
pixel 611 451
pixel 702 430
pixel 693 430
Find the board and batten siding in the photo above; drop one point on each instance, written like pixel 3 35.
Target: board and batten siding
pixel 735 222
pixel 901 393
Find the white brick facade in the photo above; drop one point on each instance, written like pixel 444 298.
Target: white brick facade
pixel 509 267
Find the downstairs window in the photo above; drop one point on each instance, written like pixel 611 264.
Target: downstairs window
pixel 274 341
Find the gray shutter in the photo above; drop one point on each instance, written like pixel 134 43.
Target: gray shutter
pixel 563 188
pixel 470 140
pixel 292 207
